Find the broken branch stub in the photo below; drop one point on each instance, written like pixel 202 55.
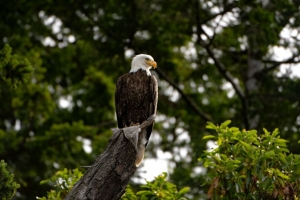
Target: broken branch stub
pixel 132 132
pixel 109 175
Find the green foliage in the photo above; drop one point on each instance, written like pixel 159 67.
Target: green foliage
pixel 159 189
pixel 250 166
pixel 13 69
pixel 63 181
pixel 7 185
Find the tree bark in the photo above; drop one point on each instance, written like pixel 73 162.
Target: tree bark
pixel 109 175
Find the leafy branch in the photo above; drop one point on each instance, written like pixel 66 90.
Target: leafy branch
pixel 159 189
pixel 13 70
pixel 247 165
pixel 8 187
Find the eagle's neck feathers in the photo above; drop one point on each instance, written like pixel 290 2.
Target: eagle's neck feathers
pixel 135 69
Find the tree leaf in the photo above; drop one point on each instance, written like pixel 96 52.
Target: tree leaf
pixel 269 154
pixel 282 158
pixel 184 190
pixel 210 125
pixel 208 137
pixel 225 124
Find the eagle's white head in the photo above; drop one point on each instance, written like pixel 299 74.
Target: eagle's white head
pixel 144 62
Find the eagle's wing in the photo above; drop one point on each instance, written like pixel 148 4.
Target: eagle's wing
pixel 153 103
pixel 117 101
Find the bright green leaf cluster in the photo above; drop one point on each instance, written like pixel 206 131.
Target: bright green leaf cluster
pixel 250 166
pixel 159 189
pixel 63 181
pixel 7 186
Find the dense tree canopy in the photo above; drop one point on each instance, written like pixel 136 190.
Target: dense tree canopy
pixel 216 61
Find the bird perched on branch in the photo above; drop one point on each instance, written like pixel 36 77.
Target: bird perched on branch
pixel 136 99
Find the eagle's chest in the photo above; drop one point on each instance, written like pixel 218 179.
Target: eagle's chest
pixel 137 91
pixel 136 98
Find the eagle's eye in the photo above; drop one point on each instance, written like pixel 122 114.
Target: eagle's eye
pixel 147 58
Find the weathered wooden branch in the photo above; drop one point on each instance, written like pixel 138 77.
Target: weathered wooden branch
pixel 109 175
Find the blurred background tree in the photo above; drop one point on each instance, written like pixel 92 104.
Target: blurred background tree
pixel 217 60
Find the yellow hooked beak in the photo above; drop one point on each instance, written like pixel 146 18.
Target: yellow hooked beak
pixel 151 63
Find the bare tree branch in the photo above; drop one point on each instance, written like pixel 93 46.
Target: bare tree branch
pixel 235 86
pixel 227 9
pixel 193 105
pixel 290 60
pixel 221 68
pixel 211 39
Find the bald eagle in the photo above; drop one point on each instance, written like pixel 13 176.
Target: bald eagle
pixel 136 98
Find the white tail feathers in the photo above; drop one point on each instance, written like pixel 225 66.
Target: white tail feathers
pixel 138 137
pixel 141 147
pixel 140 155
